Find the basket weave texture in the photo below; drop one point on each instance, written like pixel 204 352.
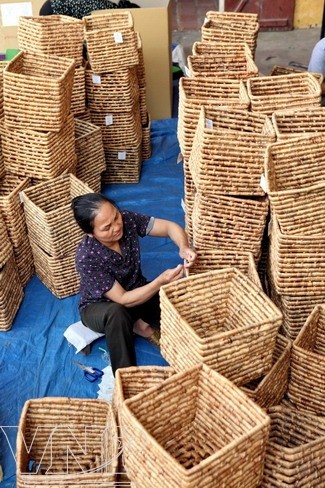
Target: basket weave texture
pixel 194 430
pixel 3 64
pixel 37 91
pixel 306 386
pixel 49 218
pixel 222 319
pixel 146 139
pixel 123 165
pixel 299 122
pixel 287 70
pixel 295 450
pixel 24 260
pixel 112 43
pixel 78 95
pixel 11 292
pixel 37 154
pixel 200 48
pixel 57 35
pixel 54 427
pixel 6 246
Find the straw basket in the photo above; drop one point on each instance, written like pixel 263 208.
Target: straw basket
pixel 222 319
pixel 146 141
pixel 122 165
pixel 200 48
pixel 78 96
pixel 24 259
pixel 270 93
pixel 57 35
pixel 112 92
pixel 11 292
pixel 111 41
pixel 195 92
pixel 84 116
pixel 287 70
pixel 189 197
pixel 3 64
pixel 37 91
pixel 299 122
pixel 229 222
pixel 140 68
pixel 297 262
pixel 270 389
pixel 194 430
pixel 306 386
pixel 49 217
pixel 58 274
pixel 72 441
pixel 295 450
pixel 39 154
pixel 296 188
pixel 90 154
pixel 2 161
pixel 6 246
pixel 226 162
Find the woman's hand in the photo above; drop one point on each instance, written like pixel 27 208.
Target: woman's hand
pixel 189 256
pixel 172 274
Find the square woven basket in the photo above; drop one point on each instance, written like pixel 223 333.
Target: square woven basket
pixel 112 43
pixel 146 139
pixel 299 122
pixel 295 184
pixel 39 154
pixel 73 442
pixel 90 154
pixel 11 292
pixel 78 95
pixel 200 48
pixel 6 246
pixel 123 165
pixel 306 386
pixel 220 318
pixel 195 430
pixel 24 260
pixel 295 450
pixel 3 64
pixel 58 35
pixel 37 91
pixel 49 217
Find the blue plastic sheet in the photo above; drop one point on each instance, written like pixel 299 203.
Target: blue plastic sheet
pixel 35 358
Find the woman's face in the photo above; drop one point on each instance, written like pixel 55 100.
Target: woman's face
pixel 108 225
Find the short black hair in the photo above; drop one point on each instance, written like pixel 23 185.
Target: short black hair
pixel 85 208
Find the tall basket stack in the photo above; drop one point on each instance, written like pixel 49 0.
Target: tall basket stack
pixel 113 93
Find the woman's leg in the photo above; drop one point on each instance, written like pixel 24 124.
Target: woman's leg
pixel 116 323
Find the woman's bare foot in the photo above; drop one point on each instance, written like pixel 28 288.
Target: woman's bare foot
pixel 143 329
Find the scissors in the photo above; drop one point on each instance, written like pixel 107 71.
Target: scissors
pixel 91 374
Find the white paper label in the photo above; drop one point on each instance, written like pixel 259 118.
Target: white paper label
pixel 263 183
pixel 96 79
pixel 179 158
pixel 21 197
pixel 183 205
pixel 209 124
pixel 10 12
pixel 109 120
pixel 118 38
pixel 121 155
pixel 187 72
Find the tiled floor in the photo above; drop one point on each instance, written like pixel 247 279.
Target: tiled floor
pixel 188 15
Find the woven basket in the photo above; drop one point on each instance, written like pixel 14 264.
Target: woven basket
pixel 270 93
pixel 227 162
pixel 49 217
pixel 287 70
pixel 248 20
pixel 194 430
pixel 140 68
pixel 111 41
pixel 57 35
pixel 2 159
pixel 11 292
pixel 71 169
pixel 37 91
pixel 119 128
pixel 3 64
pixel 58 274
pixel 297 262
pixel 146 140
pixel 6 246
pixel 39 154
pixel 295 450
pixel 112 92
pixel 297 123
pixel 74 440
pixel 143 105
pixel 229 222
pixel 24 259
pixel 270 389
pixel 85 116
pixel 220 318
pixel 189 198
pixel 200 48
pixel 195 92
pixel 306 386
pixel 90 154
pixel 122 165
pixel 78 96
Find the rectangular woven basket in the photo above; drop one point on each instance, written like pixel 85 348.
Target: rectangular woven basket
pixel 299 122
pixel 146 139
pixel 140 68
pixel 220 318
pixel 227 162
pixel 11 292
pixel 112 43
pixel 287 70
pixel 195 430
pixel 123 165
pixel 306 385
pixel 200 48
pixel 229 222
pixel 39 154
pixel 58 35
pixel 72 441
pixel 24 259
pixel 49 217
pixel 295 450
pixel 294 176
pixel 37 91
pixel 3 64
pixel 270 93
pixel 78 95
pixel 6 246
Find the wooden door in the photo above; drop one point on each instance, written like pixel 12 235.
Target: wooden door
pixel 272 14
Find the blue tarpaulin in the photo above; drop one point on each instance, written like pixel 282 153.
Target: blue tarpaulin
pixel 36 359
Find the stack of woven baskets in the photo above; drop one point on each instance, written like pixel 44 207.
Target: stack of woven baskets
pixel 115 86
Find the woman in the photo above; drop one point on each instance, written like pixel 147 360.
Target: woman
pixel 115 297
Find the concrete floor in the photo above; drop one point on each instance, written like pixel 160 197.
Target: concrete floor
pixel 273 48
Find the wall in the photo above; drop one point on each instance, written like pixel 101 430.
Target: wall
pixel 308 13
